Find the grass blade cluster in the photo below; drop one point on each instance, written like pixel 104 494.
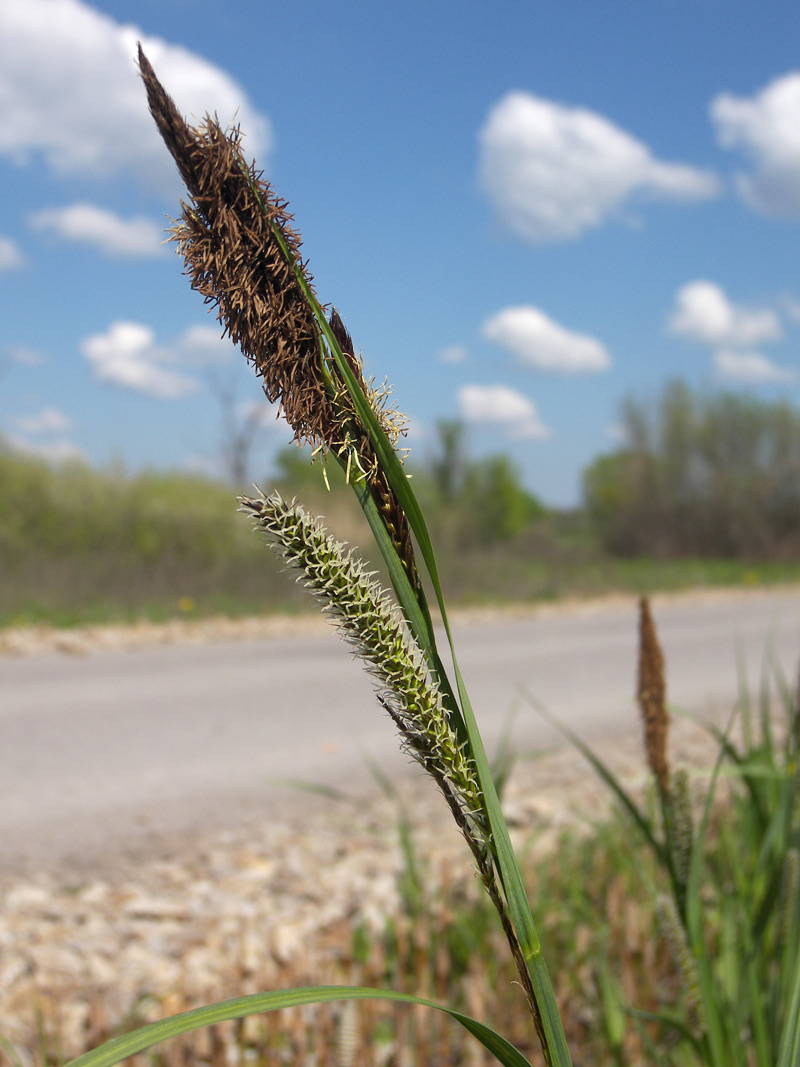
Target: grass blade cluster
pixel 730 909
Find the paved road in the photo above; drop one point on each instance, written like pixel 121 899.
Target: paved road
pixel 107 753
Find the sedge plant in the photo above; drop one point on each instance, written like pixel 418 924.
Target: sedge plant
pixel 242 254
pixel 728 904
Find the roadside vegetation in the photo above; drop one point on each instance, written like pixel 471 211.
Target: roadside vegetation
pixel 707 493
pixel 691 960
pixel 673 922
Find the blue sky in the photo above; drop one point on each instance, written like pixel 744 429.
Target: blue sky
pixel 523 211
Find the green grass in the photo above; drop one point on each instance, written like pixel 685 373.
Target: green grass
pixel 596 887
pixel 81 546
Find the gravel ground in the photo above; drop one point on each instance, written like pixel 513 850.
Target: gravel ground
pixel 231 914
pixel 223 916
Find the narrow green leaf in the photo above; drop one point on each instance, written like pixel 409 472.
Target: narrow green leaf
pixel 510 876
pixel 120 1048
pixel 10 1051
pixel 721 1051
pixel 789 1048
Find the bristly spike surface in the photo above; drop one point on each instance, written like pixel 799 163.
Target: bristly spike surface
pixel 234 260
pixel 373 625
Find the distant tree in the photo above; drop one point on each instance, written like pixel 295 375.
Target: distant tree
pixel 449 461
pixel 716 475
pixel 499 506
pixel 473 502
pixel 293 469
pixel 242 425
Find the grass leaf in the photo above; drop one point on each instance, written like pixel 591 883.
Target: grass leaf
pixel 120 1048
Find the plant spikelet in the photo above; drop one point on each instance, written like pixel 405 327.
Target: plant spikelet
pixel 243 255
pixel 680 827
pixel 672 929
pixel 652 697
pixel 373 625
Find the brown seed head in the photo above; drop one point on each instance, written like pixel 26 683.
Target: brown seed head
pixel 231 238
pixel 233 257
pixel 652 696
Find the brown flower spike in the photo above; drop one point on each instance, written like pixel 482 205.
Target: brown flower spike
pixel 235 261
pixel 242 254
pixel 652 696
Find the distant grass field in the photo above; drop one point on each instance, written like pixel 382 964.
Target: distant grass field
pixel 82 546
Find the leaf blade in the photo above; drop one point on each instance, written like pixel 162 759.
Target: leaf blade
pixel 120 1048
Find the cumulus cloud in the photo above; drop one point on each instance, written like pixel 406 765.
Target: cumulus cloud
pixel 70 93
pixel 766 127
pixel 617 433
pixel 46 428
pixel 537 341
pixel 704 313
pixel 501 406
pixel 52 451
pixel 203 345
pixel 453 354
pixel 47 421
pixel 10 256
pixel 92 225
pixel 552 172
pixel 25 357
pixel 751 367
pixel 260 413
pixel 127 356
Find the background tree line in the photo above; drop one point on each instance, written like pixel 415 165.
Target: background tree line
pixel 715 476
pixel 706 490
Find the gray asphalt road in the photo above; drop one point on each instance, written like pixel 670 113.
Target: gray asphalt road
pixel 120 752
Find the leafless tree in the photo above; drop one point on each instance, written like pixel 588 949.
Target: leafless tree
pixel 242 424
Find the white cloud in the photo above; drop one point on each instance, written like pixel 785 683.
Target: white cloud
pixel 202 465
pixel 203 345
pixel 537 341
pixel 751 367
pixel 92 225
pixel 261 413
pixel 704 313
pixel 70 92
pixel 10 256
pixel 47 421
pixel 502 406
pixel 617 433
pixel 766 126
pixel 127 356
pixel 52 451
pixel 453 354
pixel 25 357
pixel 553 171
